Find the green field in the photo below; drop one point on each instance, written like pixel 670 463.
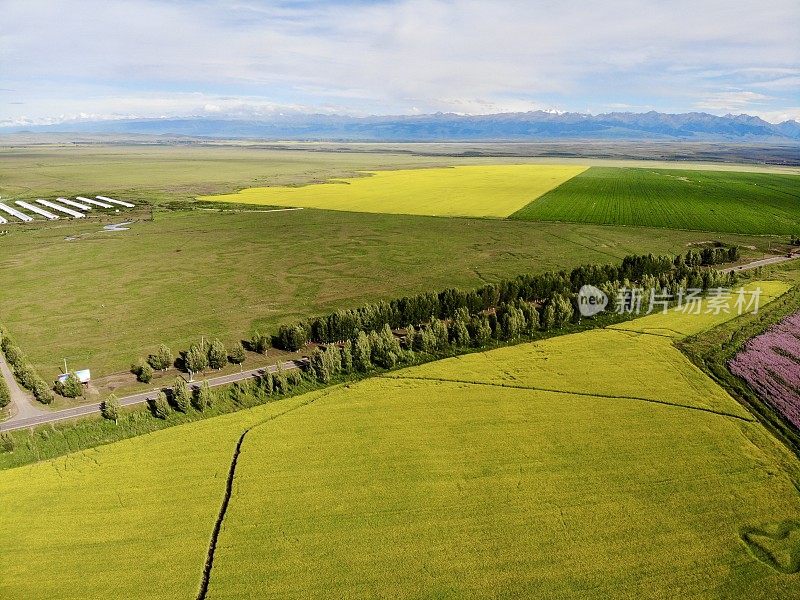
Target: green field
pixel 466 191
pixel 105 299
pixel 507 473
pixel 721 201
pixel 168 173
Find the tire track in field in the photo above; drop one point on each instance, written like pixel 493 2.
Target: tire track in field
pixel 226 498
pixel 566 392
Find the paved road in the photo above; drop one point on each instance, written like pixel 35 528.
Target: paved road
pixel 772 260
pixel 42 417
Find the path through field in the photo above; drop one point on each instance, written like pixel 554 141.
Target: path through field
pixel 22 404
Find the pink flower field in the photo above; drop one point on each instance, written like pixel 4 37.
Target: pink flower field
pixel 770 363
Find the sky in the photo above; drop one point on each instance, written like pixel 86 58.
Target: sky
pixel 89 60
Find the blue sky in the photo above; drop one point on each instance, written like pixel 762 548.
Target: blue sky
pixel 63 60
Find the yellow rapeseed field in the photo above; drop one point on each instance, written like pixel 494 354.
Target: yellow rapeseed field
pixel 595 465
pixel 467 191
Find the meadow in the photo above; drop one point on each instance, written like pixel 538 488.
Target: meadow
pixel 720 201
pixel 103 300
pixel 595 464
pixel 465 191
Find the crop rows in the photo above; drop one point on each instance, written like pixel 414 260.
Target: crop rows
pixel 730 202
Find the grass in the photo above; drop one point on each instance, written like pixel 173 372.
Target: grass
pixel 467 191
pixel 104 299
pixel 425 485
pixel 161 173
pixel 752 203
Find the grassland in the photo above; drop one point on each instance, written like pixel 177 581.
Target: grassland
pixel 496 474
pixel 105 299
pixel 752 203
pixel 466 191
pixel 164 173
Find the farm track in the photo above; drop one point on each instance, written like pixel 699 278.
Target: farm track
pixel 212 546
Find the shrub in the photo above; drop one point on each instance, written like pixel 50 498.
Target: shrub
pixel 481 331
pixel 109 408
pixel 5 393
pixel 7 442
pixel 259 343
pixel 279 381
pixel 362 353
pixel 440 335
pixel 294 377
pixel 162 359
pixel 181 397
pixel 267 382
pixel 320 366
pixel 25 374
pixel 196 359
pixel 548 317
pixel 203 397
pixel 160 406
pixel 144 372
pixel 217 355
pixel 347 359
pixel 237 354
pixel 13 354
pixel 71 387
pixel 458 333
pixel 292 337
pixel 42 392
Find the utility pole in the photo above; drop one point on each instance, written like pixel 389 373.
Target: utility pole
pixel 65 367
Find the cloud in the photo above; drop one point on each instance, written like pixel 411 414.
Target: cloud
pixel 393 57
pixel 732 101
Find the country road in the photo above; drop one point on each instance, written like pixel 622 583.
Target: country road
pixel 41 417
pixel 772 260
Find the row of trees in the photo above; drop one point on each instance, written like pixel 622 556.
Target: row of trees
pixel 196 359
pixel 709 256
pixel 23 370
pixel 542 290
pixel 469 323
pixel 5 393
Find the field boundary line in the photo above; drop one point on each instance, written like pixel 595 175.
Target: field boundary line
pixel 212 546
pixel 566 392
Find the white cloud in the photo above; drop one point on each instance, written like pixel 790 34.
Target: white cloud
pixel 732 101
pixel 389 57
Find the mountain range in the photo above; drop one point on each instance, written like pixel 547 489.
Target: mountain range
pixel 440 127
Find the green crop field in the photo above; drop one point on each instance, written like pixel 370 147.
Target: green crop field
pixel 593 465
pixel 754 203
pixel 103 299
pixel 469 191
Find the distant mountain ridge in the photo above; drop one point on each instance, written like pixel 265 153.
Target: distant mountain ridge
pixel 441 127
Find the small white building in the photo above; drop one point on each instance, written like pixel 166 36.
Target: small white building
pixel 84 376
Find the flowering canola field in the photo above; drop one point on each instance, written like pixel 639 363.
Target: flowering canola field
pixel 594 465
pixel 466 191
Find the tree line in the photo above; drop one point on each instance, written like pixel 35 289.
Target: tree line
pixel 547 293
pixel 23 370
pixel 431 321
pixel 196 359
